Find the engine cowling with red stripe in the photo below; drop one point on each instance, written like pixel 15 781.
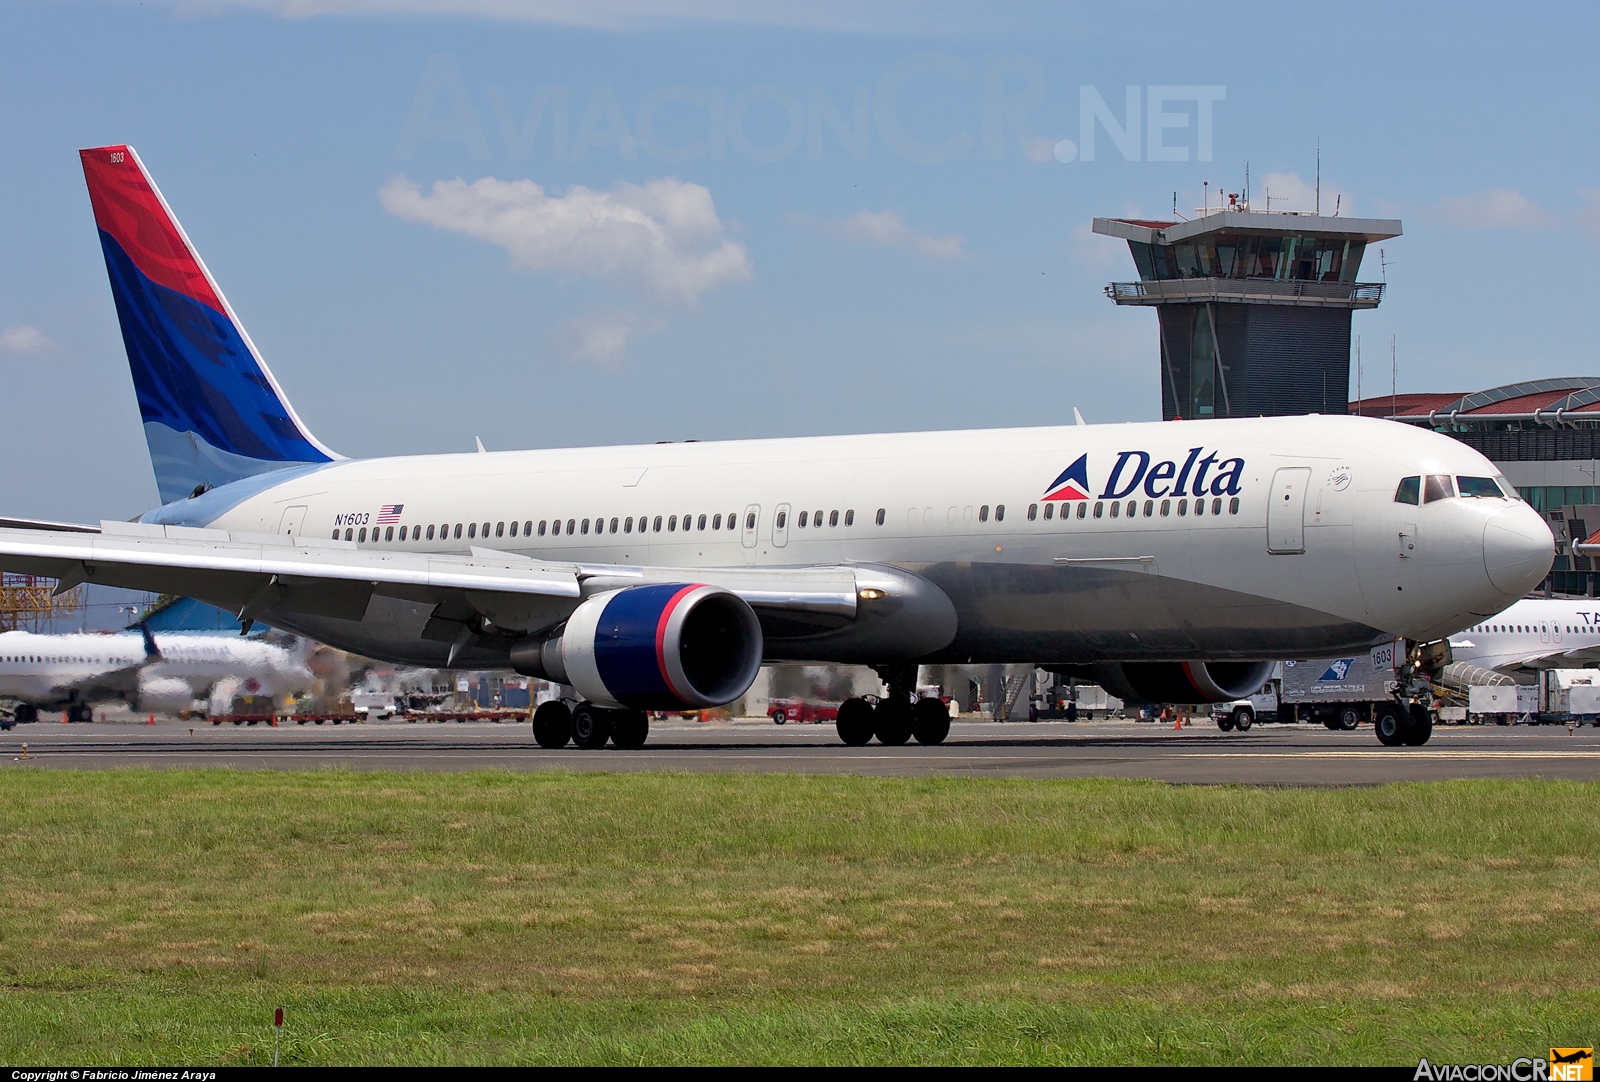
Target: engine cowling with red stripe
pixel 1195 681
pixel 667 646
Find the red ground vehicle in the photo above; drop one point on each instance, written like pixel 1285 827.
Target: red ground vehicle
pixel 782 711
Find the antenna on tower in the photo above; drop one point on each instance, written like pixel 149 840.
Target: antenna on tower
pixel 1247 185
pixel 1319 176
pixel 1383 265
pixel 1358 375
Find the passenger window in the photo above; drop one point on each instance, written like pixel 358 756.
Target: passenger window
pixel 572 526
pixel 336 535
pixel 1100 509
pixel 499 529
pixel 458 531
pixel 816 519
pixel 1200 507
pixel 472 529
pixel 1033 512
pixel 363 535
pixel 527 528
pixel 700 523
pixel 716 522
pixel 1410 490
pixel 1083 509
pixel 513 529
pixel 1216 506
pixel 1149 508
pixel 833 519
pixel 349 535
pixel 627 524
pixel 1438 486
pixel 672 523
pixel 584 526
pixel 880 516
pixel 430 533
pixel 802 522
pixel 1166 508
pixel 1116 509
pixel 783 519
pixel 1050 512
pixel 657 526
pixel 388 535
pixel 999 512
pixel 750 520
pixel 1233 506
pixel 1183 508
pixel 983 513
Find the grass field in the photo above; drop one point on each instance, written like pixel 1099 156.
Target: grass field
pixel 159 916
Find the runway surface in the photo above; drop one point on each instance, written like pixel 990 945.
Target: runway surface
pixel 1267 755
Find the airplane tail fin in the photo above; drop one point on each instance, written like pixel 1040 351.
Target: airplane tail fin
pixel 212 411
pixel 152 652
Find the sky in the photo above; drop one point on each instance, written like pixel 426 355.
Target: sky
pixel 544 223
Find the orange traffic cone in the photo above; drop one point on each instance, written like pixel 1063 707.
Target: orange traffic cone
pixel 152 720
pixel 63 717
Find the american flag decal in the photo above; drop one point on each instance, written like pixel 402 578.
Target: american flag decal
pixel 389 513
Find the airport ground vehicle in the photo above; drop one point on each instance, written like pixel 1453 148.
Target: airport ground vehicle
pixel 801 711
pixel 1340 692
pixel 654 577
pixel 1262 706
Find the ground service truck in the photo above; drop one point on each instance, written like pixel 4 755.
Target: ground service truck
pixel 1340 692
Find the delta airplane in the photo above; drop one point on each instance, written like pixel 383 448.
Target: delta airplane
pixel 1174 561
pixel 75 672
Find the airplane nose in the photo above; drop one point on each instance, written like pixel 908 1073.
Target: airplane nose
pixel 1518 549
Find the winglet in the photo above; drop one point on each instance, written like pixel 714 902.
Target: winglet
pixel 1077 416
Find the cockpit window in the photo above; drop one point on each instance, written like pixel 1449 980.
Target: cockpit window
pixel 1437 486
pixel 1484 487
pixel 1410 490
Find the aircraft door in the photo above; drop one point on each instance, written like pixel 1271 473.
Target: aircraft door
pixel 292 518
pixel 752 519
pixel 780 526
pixel 1286 510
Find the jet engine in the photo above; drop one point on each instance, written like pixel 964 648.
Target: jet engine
pixel 164 695
pixel 1183 681
pixel 672 646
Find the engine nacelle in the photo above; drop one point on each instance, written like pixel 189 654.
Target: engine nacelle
pixel 669 646
pixel 164 695
pixel 1185 681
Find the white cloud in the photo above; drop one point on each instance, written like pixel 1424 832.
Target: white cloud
pixel 26 338
pixel 1498 208
pixel 663 236
pixel 886 229
pixel 1289 192
pixel 598 337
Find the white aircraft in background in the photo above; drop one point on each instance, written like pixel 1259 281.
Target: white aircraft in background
pixel 1172 561
pixel 74 673
pixel 1533 634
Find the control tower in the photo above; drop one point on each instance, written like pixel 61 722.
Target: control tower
pixel 1254 307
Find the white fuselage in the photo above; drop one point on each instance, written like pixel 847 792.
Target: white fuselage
pixel 56 670
pixel 1535 633
pixel 1133 571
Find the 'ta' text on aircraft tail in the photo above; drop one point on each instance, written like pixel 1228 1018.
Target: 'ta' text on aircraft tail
pixel 212 411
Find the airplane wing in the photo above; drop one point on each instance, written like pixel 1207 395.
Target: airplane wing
pixel 248 574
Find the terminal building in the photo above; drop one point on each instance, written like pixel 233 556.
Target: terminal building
pixel 1544 435
pixel 1254 309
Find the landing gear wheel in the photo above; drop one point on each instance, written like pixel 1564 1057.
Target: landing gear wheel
pixel 82 712
pixel 1421 727
pixel 591 726
pixel 1225 722
pixel 1388 726
pixel 629 729
pixel 930 721
pixel 779 717
pixel 1347 719
pixel 891 722
pixel 25 713
pixel 552 725
pixel 1243 718
pixel 854 722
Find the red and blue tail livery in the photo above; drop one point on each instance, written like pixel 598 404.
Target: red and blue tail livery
pixel 1073 484
pixel 212 411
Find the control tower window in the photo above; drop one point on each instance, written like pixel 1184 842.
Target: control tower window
pixel 1410 490
pixel 1437 486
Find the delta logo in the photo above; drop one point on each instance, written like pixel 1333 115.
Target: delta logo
pixel 1338 670
pixel 1210 475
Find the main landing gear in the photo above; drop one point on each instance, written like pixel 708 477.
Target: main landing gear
pixel 896 719
pixel 589 726
pixel 1404 724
